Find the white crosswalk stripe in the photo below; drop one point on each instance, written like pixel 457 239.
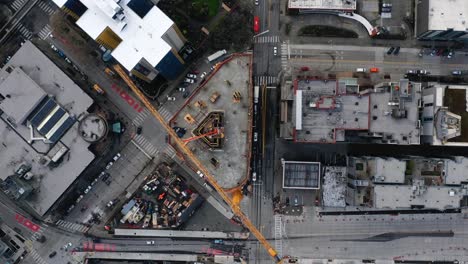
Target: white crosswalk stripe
pixel 170 151
pixel 145 145
pixel 284 56
pixel 46 8
pixel 38 234
pixel 25 32
pixel 268 80
pixel 267 39
pixel 72 226
pixel 17 4
pixel 45 31
pixel 37 258
pixel 165 113
pixel 140 118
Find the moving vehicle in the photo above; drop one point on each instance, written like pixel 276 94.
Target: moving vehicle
pixel 256 93
pixel 374 70
pixel 275 51
pixel 139 130
pixel 256 2
pixel 361 70
pixel 254 176
pixel 256 26
pixel 255 136
pixel 216 55
pixel 390 50
pixel 450 54
pixel 456 72
pixel 51 255
pixel 397 50
pixel 98 89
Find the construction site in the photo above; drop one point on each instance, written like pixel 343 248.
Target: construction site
pixel 217 118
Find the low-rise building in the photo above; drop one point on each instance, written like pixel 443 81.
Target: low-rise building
pixel 416 182
pixel 42 152
pixel 441 20
pixel 141 37
pixel 12 247
pixel 301 175
pixel 329 111
pixel 315 6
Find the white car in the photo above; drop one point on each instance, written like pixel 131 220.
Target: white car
pixel 68 60
pixel 203 75
pixel 171 98
pixel 109 165
pixel 410 71
pixel 192 76
pixel 256 2
pixel 88 189
pixel 254 176
pixel 54 48
pixel 150 242
pixel 200 174
pixel 255 136
pixel 188 80
pixel 275 51
pixel 361 70
pixel 181 89
pixel 117 156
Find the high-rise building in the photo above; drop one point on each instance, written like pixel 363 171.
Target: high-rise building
pixel 139 35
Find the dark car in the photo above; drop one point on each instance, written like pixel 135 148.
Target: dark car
pixel 139 129
pixel 51 255
pixel 390 50
pixel 397 50
pixel 186 94
pixel 105 177
pixel 108 182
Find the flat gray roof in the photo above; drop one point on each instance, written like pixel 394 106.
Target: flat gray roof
pixel 402 196
pixel 321 112
pixel 456 171
pixel 395 112
pixel 301 175
pixel 41 77
pixel 389 170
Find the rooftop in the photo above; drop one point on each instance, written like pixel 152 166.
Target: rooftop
pixel 23 145
pixel 455 171
pixel 445 15
pixel 140 34
pixel 320 112
pixel 301 175
pixel 406 196
pixel 323 4
pixel 334 187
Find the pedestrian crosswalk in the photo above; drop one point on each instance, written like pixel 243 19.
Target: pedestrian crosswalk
pixel 36 235
pixel 268 80
pixel 26 33
pixel 45 31
pixel 72 226
pixel 267 39
pixel 143 143
pixel 278 234
pixel 165 113
pixel 18 4
pixel 47 8
pixel 36 257
pixel 170 151
pixel 140 118
pixel 284 56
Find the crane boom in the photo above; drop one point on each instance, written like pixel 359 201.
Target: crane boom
pixel 188 153
pixel 212 132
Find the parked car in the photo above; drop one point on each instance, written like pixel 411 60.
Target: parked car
pixel 186 94
pixel 411 71
pixel 254 176
pixel 109 165
pixel 456 72
pixel 181 89
pixel 390 50
pixel 192 76
pixel 256 2
pixel 203 75
pixel 117 156
pixel 200 174
pixel 433 52
pixel 88 189
pixel 105 177
pixel 108 182
pixel 171 98
pixel 450 54
pixel 255 136
pixel 54 48
pixel 188 80
pixel 397 50
pixel 422 72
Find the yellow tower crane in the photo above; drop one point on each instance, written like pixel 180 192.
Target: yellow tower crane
pixel 188 153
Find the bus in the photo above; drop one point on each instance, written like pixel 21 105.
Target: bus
pixel 216 55
pixel 256 26
pixel 256 93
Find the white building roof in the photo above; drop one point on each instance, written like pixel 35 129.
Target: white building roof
pixel 448 14
pixel 388 170
pixel 141 37
pixel 323 4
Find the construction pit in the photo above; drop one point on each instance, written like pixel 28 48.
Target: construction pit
pixel 216 120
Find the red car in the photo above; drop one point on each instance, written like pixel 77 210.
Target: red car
pixel 304 68
pixel 256 26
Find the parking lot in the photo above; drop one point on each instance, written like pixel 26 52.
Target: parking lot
pixel 121 174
